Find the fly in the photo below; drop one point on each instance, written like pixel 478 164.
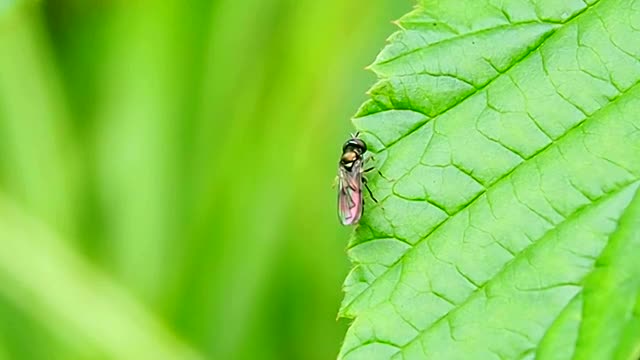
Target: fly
pixel 351 180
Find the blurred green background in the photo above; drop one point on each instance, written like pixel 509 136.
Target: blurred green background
pixel 166 171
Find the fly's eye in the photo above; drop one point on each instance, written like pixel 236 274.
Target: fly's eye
pixel 362 145
pixel 355 143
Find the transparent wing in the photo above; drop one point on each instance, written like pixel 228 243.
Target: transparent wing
pixel 350 194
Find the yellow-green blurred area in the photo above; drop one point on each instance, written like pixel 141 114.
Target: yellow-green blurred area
pixel 166 172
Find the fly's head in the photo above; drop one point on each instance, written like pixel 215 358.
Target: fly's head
pixel 352 152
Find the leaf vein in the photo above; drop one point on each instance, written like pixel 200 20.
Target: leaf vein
pixel 463 207
pixel 524 251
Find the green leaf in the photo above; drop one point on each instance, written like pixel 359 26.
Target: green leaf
pixel 510 133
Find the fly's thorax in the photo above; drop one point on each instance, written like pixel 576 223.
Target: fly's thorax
pixel 349 158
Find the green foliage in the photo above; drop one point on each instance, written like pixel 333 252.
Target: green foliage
pixel 165 175
pixel 6 4
pixel 511 135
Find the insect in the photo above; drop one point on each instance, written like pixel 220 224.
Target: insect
pixel 351 180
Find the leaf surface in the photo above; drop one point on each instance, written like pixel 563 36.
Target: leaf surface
pixel 510 132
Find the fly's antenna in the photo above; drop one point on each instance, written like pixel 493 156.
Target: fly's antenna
pixel 356 134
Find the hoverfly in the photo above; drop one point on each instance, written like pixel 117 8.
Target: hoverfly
pixel 351 180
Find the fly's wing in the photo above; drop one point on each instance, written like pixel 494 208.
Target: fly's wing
pixel 350 194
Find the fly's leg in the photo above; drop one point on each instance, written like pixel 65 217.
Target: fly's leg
pixel 384 177
pixel 371 194
pixel 335 181
pixel 364 182
pixel 379 173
